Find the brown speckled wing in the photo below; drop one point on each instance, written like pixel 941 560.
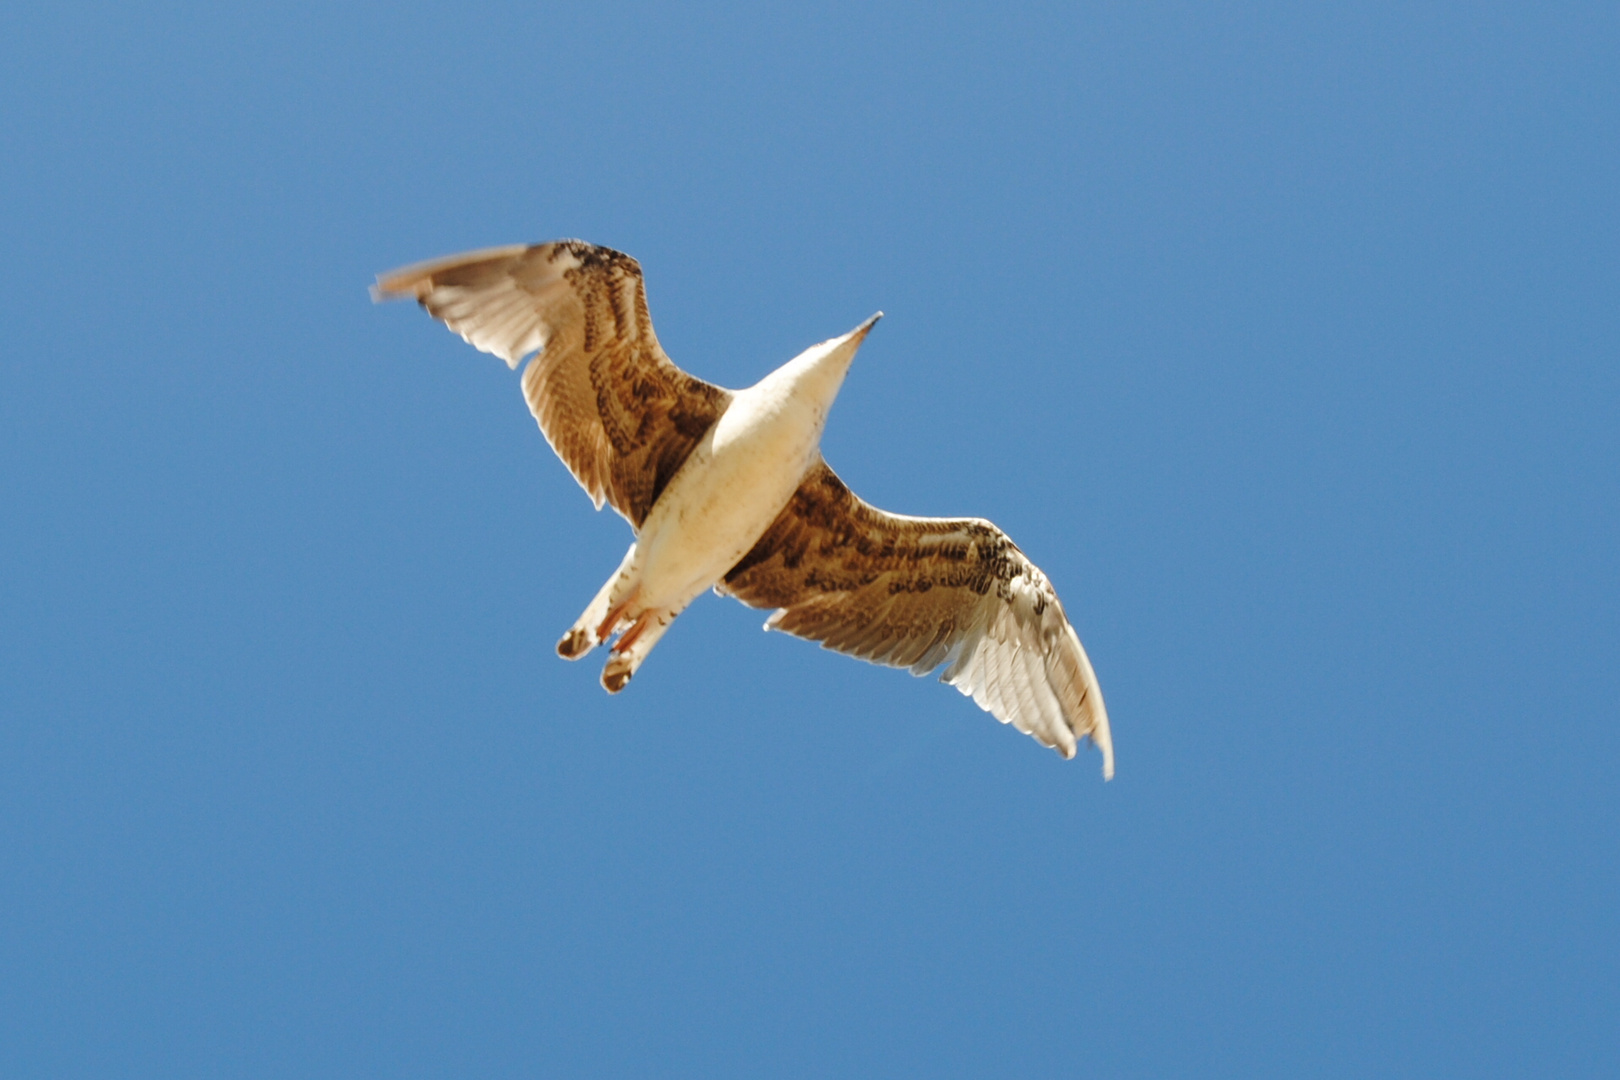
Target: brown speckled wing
pixel 614 407
pixel 920 592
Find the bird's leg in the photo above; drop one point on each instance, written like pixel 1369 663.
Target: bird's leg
pixel 632 648
pixel 598 620
pixel 614 619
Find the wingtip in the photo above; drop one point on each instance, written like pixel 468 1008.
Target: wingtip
pixel 391 286
pixel 409 282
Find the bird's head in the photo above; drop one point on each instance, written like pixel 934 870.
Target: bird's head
pixel 837 353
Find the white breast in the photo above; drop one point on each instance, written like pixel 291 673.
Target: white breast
pixel 726 494
pixel 740 476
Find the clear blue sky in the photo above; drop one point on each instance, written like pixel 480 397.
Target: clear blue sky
pixel 1285 338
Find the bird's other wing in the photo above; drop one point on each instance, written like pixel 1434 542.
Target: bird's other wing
pixel 920 592
pixel 614 407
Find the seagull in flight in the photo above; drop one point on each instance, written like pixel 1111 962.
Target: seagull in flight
pixel 727 489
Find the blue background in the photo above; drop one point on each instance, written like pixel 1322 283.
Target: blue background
pixel 1283 337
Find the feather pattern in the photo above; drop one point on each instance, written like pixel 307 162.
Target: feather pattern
pixel 611 403
pixel 918 592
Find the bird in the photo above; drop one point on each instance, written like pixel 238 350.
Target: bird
pixel 727 489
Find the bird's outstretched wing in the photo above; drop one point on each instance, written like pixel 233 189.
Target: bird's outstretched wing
pixel 916 593
pixel 616 409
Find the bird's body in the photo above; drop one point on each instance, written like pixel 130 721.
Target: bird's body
pixel 717 505
pixel 727 489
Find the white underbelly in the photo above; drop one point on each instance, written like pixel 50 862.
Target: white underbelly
pixel 724 497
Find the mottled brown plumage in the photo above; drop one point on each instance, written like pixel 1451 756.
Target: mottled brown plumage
pixel 917 593
pixel 612 404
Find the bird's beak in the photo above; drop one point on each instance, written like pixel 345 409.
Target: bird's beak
pixel 838 351
pixel 860 332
